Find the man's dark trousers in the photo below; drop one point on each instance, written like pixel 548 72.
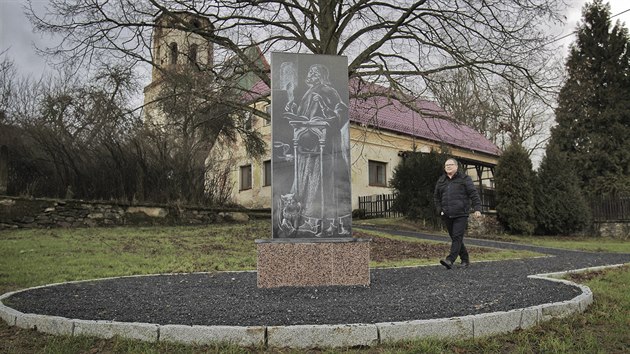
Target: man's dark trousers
pixel 456 228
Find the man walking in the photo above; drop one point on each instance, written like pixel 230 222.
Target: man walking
pixel 453 193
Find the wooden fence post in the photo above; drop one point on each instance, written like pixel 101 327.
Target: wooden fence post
pixel 4 169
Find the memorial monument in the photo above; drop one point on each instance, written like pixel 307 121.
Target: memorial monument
pixel 312 240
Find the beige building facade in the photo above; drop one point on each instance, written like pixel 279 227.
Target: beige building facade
pixel 375 153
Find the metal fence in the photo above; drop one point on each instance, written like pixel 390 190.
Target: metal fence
pixel 611 209
pixel 378 206
pixel 488 199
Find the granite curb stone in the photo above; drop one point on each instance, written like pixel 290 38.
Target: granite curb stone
pixel 457 327
pixel 239 335
pixel 318 336
pixel 489 324
pixel 45 324
pixel 146 332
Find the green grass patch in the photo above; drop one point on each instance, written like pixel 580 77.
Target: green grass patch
pixel 589 244
pixel 36 257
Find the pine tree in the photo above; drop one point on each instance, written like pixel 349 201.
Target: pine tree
pixel 414 181
pixel 593 114
pixel 559 203
pixel 514 187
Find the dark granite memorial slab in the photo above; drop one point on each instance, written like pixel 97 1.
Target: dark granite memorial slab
pixel 311 146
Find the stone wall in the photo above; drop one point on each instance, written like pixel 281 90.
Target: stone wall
pixel 50 213
pixel 485 226
pixel 618 230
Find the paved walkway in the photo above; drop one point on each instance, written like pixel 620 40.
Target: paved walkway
pixel 396 297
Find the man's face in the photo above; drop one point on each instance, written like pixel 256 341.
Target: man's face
pixel 450 167
pixel 313 77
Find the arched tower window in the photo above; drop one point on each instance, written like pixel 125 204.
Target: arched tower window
pixel 192 54
pixel 173 54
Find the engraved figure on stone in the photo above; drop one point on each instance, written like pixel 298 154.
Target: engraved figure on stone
pixel 290 214
pixel 320 157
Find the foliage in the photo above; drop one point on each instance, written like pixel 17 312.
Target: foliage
pixel 559 203
pixel 593 114
pixel 65 136
pixel 71 138
pixel 358 213
pixel 414 181
pixel 514 180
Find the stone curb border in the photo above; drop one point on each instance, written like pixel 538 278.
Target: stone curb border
pixel 315 336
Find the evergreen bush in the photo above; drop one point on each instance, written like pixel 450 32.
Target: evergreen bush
pixel 414 181
pixel 559 203
pixel 514 187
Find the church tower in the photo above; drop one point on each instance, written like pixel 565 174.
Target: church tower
pixel 177 45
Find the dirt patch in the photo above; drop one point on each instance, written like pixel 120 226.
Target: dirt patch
pixel 386 249
pixel 586 276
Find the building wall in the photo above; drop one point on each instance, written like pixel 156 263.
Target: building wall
pixel 366 144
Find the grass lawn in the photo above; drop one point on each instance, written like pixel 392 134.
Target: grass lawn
pixel 35 257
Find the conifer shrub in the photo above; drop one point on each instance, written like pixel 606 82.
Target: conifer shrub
pixel 414 181
pixel 560 205
pixel 514 188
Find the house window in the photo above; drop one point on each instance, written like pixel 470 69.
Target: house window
pixel 267 121
pixel 267 173
pixel 246 177
pixel 377 174
pixel 248 121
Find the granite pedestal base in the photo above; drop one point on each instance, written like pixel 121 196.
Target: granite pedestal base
pixel 313 262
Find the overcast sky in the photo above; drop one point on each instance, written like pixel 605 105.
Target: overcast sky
pixel 16 34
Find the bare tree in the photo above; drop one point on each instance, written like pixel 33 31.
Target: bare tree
pixel 524 118
pixel 8 86
pixel 397 43
pixel 468 102
pixel 505 111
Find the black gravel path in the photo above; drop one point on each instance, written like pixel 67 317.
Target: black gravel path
pixel 394 294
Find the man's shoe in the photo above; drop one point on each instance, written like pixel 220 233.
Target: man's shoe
pixel 445 262
pixel 465 264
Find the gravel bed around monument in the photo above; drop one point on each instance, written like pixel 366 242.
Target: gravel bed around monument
pixel 232 298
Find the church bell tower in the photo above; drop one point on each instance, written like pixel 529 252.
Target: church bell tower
pixel 177 45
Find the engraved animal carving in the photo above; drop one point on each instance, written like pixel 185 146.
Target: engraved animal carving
pixel 290 212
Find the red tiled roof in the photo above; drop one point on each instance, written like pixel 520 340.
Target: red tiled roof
pixel 370 105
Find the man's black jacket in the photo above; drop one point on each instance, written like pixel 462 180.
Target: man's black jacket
pixel 453 195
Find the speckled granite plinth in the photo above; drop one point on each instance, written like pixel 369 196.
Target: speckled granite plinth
pixel 313 262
